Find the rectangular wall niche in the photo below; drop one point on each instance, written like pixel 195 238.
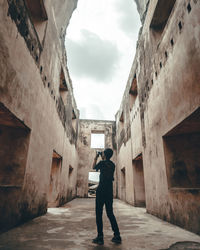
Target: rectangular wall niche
pixel 14 143
pixel 182 153
pixel 97 139
pixel 161 14
pixel 38 16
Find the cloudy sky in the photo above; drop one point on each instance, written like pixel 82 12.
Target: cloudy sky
pixel 101 42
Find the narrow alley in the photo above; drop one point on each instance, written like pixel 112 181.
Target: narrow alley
pixel 73 226
pixel 46 141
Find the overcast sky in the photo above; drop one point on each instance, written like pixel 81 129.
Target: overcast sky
pixel 101 42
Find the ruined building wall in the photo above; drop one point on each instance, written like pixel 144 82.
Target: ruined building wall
pixel 129 144
pixel 124 169
pixel 166 70
pixel 87 154
pixel 38 114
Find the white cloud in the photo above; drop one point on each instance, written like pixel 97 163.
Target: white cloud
pixel 92 57
pixel 128 17
pixel 101 42
pixel 91 111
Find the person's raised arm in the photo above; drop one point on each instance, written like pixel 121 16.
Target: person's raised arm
pixel 95 161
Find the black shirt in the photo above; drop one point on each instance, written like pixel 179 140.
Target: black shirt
pixel 107 169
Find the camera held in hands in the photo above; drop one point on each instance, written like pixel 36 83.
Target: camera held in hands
pixel 99 153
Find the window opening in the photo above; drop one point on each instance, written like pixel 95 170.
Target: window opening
pixel 180 26
pixel 70 170
pixel 121 127
pixel 133 93
pixel 189 8
pixel 97 140
pixel 63 90
pixel 121 119
pixel 74 120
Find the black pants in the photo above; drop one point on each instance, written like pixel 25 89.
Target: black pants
pixel 107 199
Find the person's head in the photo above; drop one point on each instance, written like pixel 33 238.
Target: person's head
pixel 108 152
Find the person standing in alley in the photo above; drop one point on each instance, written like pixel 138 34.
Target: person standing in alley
pixel 104 195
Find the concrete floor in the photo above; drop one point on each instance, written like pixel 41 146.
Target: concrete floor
pixel 73 226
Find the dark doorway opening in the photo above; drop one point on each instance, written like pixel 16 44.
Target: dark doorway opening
pixel 139 187
pixel 54 185
pixel 123 183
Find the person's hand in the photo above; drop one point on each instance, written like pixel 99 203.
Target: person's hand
pixel 95 161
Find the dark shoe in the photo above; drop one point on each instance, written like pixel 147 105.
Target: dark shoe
pixel 116 239
pixel 98 240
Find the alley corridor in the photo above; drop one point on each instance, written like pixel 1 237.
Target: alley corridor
pixel 73 226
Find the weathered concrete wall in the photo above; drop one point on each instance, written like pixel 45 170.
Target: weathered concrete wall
pixel 167 72
pixel 174 95
pixel 158 125
pixel 129 143
pixel 87 154
pixel 124 161
pixel 33 76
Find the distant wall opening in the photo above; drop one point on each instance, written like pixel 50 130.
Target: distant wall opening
pixel 54 185
pixel 97 140
pixel 138 177
pixel 93 181
pixel 182 153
